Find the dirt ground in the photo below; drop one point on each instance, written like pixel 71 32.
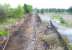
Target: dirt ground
pixel 32 34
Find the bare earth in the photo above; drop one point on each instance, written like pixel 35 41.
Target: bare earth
pixel 33 34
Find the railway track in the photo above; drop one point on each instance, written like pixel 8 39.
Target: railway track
pixel 33 34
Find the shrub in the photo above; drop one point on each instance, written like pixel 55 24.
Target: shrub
pixel 3 33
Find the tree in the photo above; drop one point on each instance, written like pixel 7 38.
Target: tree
pixel 2 12
pixel 37 10
pixel 46 10
pixel 70 10
pixel 19 11
pixel 7 12
pixel 42 11
pixel 27 8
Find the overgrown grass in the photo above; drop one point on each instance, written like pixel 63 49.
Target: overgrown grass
pixel 3 33
pixel 62 21
pixel 5 24
pixel 70 47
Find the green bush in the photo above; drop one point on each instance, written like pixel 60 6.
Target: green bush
pixel 62 20
pixel 59 18
pixel 56 17
pixel 27 8
pixel 3 33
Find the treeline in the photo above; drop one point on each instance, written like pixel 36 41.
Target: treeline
pixel 6 11
pixel 53 10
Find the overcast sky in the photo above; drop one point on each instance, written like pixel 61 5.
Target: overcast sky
pixel 40 3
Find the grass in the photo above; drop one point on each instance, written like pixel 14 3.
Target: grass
pixel 62 21
pixel 70 47
pixel 5 24
pixel 66 23
pixel 3 33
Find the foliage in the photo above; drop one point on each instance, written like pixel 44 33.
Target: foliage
pixel 15 12
pixel 42 11
pixel 3 33
pixel 9 15
pixel 54 10
pixel 2 12
pixel 37 11
pixel 62 20
pixel 59 18
pixel 70 47
pixel 70 10
pixel 8 12
pixel 27 8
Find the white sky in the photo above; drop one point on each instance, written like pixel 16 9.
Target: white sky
pixel 40 3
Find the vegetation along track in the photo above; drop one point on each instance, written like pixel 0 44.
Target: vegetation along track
pixel 33 34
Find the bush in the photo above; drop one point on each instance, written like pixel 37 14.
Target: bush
pixel 3 33
pixel 27 8
pixel 62 21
